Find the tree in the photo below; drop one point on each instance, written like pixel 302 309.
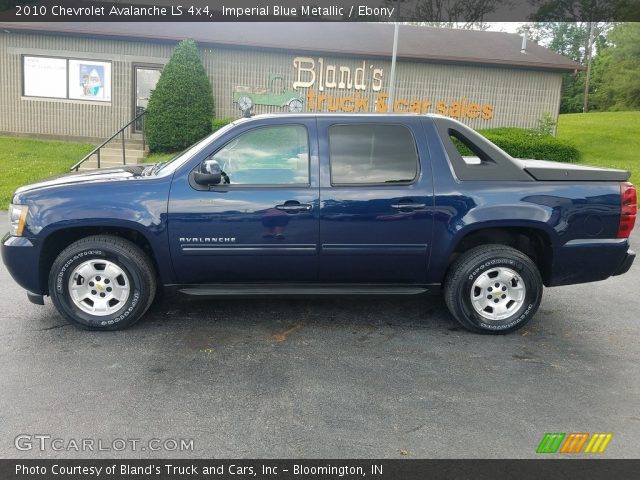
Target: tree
pixel 566 38
pixel 617 70
pixel 181 106
pixel 571 39
pixel 467 14
pixel 582 10
pixel 589 16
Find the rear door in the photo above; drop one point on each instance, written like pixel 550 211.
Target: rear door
pixel 376 200
pixel 263 225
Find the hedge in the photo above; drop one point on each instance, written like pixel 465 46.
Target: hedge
pixel 181 105
pixel 523 143
pixel 217 124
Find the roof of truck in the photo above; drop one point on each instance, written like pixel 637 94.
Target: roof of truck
pixel 346 115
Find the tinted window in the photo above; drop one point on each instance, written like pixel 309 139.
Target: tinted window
pixel 372 154
pixel 267 156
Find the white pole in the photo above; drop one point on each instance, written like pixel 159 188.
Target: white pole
pixel 392 78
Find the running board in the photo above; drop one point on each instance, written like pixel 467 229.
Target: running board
pixel 306 289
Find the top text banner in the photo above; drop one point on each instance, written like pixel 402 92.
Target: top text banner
pixel 463 12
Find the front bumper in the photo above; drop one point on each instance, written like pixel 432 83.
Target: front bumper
pixel 22 259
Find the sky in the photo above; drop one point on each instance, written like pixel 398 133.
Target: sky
pixel 509 27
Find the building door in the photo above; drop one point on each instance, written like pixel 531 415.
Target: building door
pixel 145 78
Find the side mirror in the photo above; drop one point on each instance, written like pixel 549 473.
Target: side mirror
pixel 210 173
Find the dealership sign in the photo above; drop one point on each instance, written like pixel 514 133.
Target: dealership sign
pixel 360 90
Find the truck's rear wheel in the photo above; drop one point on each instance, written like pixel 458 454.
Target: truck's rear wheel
pixel 493 289
pixel 102 282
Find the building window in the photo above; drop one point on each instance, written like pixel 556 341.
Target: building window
pixel 372 154
pixel 65 78
pixel 45 77
pixel 89 80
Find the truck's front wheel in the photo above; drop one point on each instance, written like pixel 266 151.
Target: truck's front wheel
pixel 102 282
pixel 493 289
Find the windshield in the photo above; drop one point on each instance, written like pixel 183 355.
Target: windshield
pixel 181 158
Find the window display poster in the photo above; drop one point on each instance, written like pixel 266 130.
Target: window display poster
pixel 45 77
pixel 90 80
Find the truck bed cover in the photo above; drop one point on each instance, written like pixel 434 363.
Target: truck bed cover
pixel 544 170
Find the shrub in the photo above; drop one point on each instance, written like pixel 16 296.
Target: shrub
pixel 217 124
pixel 523 143
pixel 546 125
pixel 181 106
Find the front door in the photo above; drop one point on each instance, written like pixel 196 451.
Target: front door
pixel 261 223
pixel 376 201
pixel 145 79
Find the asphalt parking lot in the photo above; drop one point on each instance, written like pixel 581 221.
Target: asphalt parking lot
pixel 329 377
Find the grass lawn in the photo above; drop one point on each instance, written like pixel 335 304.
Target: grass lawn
pixel 25 160
pixel 607 139
pixel 159 157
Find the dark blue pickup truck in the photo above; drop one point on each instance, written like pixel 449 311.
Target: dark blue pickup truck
pixel 323 204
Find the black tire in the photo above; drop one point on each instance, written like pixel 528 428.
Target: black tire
pixel 469 266
pixel 125 255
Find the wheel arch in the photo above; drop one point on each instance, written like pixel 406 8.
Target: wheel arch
pixel 59 239
pixel 532 240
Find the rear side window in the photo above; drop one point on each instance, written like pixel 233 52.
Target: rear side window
pixel 469 151
pixel 372 153
pixel 473 157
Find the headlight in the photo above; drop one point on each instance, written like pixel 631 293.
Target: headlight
pixel 17 219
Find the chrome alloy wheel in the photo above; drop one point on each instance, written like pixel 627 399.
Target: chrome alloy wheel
pixel 99 287
pixel 498 293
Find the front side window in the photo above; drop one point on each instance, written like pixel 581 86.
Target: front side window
pixel 372 153
pixel 266 156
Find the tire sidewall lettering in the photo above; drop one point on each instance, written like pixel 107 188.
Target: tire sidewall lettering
pixel 127 312
pixel 68 263
pixel 491 263
pixel 510 324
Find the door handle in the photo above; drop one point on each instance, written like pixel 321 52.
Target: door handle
pixel 291 207
pixel 408 206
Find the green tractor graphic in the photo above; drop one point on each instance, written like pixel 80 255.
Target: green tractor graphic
pixel 276 96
